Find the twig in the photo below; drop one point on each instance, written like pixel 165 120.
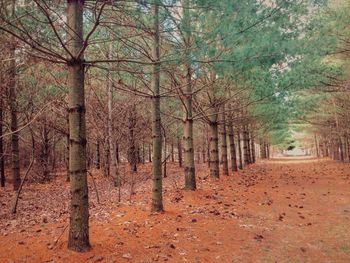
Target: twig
pixel 64 229
pixel 14 208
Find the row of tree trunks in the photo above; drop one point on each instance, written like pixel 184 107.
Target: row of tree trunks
pixel 264 150
pixel 135 155
pixel 338 147
pixel 223 120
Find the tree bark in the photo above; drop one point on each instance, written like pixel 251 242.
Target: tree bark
pixel 143 152
pixel 98 155
pixel 316 146
pixel 117 152
pixel 79 206
pixel 341 149
pixel 223 136
pixel 239 149
pixel 204 151
pixel 54 154
pixel 2 154
pixel 189 163
pixel 165 157
pixel 179 151
pixel 150 153
pixel 16 177
pixel 214 149
pixel 106 156
pixel 111 138
pixel 208 146
pixel 252 141
pixel 172 152
pixel 348 147
pixel 231 139
pixel 67 153
pixel 45 152
pixel 245 145
pixel 133 153
pixel 157 191
pixel 262 150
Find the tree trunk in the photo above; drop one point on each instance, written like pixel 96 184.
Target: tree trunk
pixel 139 154
pixel 348 147
pixel 117 152
pixel 198 156
pixel 239 149
pixel 2 154
pixel 54 155
pixel 172 152
pixel 79 206
pixel 245 146
pixel 179 151
pixel 143 152
pixel 341 149
pixel 204 151
pixel 345 144
pixel 133 155
pixel 208 147
pixel 16 177
pixel 157 192
pixel 106 158
pixel 190 175
pixel 111 138
pixel 231 139
pixel 214 149
pixel 88 163
pixel 316 146
pixel 67 153
pixel 150 153
pixel 249 146
pixel 45 152
pixel 98 155
pixel 223 136
pixel 262 150
pixel 165 157
pixel 253 149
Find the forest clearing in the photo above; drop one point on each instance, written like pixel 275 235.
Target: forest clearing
pixel 174 130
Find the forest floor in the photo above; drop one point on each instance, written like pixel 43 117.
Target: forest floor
pixel 282 210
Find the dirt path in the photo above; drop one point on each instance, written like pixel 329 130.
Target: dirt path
pixel 285 210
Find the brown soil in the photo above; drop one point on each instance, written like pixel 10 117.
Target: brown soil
pixel 285 210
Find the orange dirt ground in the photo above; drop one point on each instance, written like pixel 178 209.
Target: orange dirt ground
pixel 283 210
